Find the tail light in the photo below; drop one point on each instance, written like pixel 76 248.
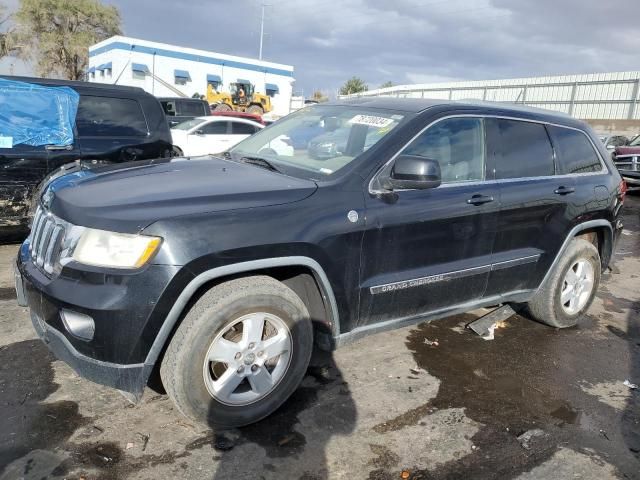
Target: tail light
pixel 622 190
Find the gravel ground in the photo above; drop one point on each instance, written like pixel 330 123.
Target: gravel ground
pixel 533 403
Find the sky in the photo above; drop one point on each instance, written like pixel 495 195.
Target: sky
pixel 402 41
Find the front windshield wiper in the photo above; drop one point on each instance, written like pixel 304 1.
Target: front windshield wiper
pixel 261 162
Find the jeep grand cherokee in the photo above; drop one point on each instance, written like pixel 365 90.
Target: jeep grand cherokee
pixel 224 271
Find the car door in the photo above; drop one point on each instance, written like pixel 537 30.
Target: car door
pixel 430 250
pixel 533 219
pixel 112 129
pixel 209 138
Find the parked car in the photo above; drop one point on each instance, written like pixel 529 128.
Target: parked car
pixel 612 141
pixel 627 160
pixel 225 271
pixel 211 134
pixel 232 113
pixel 180 110
pixel 113 124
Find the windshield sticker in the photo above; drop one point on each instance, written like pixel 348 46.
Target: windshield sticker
pixel 371 121
pixel 6 142
pixel 326 171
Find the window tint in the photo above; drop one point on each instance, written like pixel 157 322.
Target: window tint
pixel 214 128
pixel 457 144
pixel 192 109
pixel 110 117
pixel 523 150
pixel 575 154
pixel 238 128
pixel 169 108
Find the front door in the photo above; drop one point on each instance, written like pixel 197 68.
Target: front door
pixel 212 137
pixel 429 250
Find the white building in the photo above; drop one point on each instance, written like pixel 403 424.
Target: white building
pixel 169 71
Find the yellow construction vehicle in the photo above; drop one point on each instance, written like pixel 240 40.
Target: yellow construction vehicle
pixel 241 98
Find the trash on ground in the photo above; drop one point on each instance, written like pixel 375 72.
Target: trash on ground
pixel 417 370
pixel 223 444
pixel 145 440
pixel 431 343
pixel 285 440
pixel 485 326
pixel 526 437
pixel 632 386
pixel 130 445
pixel 604 434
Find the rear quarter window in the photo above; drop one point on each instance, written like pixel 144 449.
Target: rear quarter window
pixel 574 151
pixel 238 128
pixel 192 109
pixel 110 117
pixel 523 150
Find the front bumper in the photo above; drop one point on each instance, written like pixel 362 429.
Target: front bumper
pixel 127 310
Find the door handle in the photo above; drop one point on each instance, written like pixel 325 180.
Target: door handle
pixel 564 190
pixel 479 199
pixel 58 147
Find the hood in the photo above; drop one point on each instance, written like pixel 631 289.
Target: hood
pixel 627 150
pixel 131 196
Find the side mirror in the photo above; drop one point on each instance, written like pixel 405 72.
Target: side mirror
pixel 414 172
pixel 199 132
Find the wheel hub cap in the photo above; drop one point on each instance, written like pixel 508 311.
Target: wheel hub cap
pixel 247 359
pixel 577 286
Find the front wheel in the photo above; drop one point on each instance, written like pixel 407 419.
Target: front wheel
pixel 571 287
pixel 240 352
pixel 255 110
pixel 223 107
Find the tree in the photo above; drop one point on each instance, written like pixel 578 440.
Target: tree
pixel 6 34
pixel 57 34
pixel 353 85
pixel 387 84
pixel 319 96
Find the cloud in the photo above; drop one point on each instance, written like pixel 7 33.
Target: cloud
pixel 404 41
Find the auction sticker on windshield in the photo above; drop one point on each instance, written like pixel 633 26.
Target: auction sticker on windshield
pixel 371 121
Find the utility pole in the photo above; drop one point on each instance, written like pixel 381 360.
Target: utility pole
pixel 262 29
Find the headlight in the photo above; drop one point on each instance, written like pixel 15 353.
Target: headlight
pixel 114 250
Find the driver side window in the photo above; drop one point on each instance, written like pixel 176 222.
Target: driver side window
pixel 215 128
pixel 457 144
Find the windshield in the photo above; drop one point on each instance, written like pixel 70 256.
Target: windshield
pixel 319 140
pixel 635 142
pixel 189 124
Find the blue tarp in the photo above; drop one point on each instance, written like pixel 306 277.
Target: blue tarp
pixel 36 115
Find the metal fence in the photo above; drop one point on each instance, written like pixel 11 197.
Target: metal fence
pixel 610 96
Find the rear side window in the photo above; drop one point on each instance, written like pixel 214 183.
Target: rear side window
pixel 110 117
pixel 575 153
pixel 169 108
pixel 192 109
pixel 458 146
pixel 238 128
pixel 522 150
pixel 214 128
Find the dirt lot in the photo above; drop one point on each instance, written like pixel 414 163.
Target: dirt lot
pixel 391 406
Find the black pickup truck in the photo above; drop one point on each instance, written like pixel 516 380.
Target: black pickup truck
pixel 114 124
pixel 222 272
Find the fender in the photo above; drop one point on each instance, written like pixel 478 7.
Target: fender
pixel 232 269
pixel 574 231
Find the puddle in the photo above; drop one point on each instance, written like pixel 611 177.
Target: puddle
pixel 7 294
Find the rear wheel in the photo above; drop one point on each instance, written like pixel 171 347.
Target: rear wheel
pixel 571 287
pixel 239 353
pixel 255 110
pixel 223 107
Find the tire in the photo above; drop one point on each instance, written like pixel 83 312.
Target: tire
pixel 223 107
pixel 547 306
pixel 255 110
pixel 190 380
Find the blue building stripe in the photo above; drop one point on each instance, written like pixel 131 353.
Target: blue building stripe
pixel 188 56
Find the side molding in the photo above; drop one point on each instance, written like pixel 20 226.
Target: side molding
pixel 574 231
pixel 197 282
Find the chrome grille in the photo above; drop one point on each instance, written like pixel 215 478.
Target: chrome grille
pixel 46 237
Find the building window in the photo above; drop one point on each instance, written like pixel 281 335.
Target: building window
pixel 181 77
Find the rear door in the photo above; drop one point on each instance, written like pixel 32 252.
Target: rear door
pixel 534 209
pixel 112 129
pixel 428 250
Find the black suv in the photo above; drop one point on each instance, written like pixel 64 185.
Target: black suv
pixel 113 124
pixel 222 272
pixel 178 110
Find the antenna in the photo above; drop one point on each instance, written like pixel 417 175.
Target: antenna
pixel 262 29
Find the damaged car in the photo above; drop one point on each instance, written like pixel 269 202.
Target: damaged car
pixel 222 273
pixel 52 127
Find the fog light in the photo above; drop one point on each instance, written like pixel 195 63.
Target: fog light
pixel 79 325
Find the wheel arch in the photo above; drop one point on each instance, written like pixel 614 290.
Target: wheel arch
pixel 295 272
pixel 599 229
